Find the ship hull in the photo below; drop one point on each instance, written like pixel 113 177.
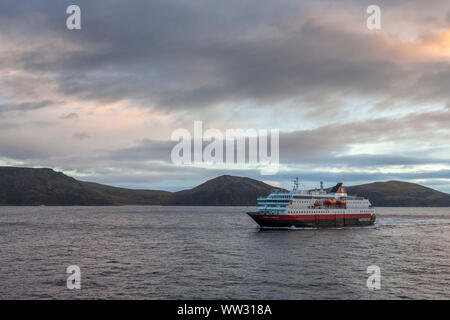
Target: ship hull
pixel 314 221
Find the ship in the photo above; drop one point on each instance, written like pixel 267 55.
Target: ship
pixel 313 208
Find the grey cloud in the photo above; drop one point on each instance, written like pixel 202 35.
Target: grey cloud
pixel 24 106
pixel 368 160
pixel 413 129
pixel 187 56
pixel 193 55
pixel 81 135
pixel 322 145
pixel 71 115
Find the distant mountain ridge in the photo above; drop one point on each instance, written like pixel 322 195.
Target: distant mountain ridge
pixel 399 193
pixel 30 186
pixel 223 191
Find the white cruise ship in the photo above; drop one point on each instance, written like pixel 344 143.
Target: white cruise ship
pixel 313 208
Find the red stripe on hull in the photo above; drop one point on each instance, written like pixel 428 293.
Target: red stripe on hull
pixel 309 217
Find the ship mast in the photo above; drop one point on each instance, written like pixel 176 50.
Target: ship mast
pixel 295 184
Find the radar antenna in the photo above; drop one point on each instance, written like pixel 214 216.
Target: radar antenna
pixel 295 184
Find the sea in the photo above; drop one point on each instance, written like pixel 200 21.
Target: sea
pixel 154 252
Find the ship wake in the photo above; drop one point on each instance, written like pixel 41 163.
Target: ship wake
pixel 414 222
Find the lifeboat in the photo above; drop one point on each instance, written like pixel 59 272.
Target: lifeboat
pixel 316 204
pixel 341 202
pixel 329 202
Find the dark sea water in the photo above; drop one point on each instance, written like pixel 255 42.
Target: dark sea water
pixel 137 252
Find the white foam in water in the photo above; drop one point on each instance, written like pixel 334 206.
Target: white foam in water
pixel 374 226
pixel 287 228
pixel 413 222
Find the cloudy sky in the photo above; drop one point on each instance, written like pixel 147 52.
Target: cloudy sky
pixel 351 104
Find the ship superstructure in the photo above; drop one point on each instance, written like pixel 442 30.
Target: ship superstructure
pixel 313 208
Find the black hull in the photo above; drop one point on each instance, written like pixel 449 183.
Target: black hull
pixel 312 223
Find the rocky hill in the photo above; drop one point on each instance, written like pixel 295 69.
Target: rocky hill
pixel 224 191
pixel 398 193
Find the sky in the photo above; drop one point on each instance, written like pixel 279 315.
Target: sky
pixel 352 104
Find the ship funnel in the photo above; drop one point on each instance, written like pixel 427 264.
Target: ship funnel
pixel 336 188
